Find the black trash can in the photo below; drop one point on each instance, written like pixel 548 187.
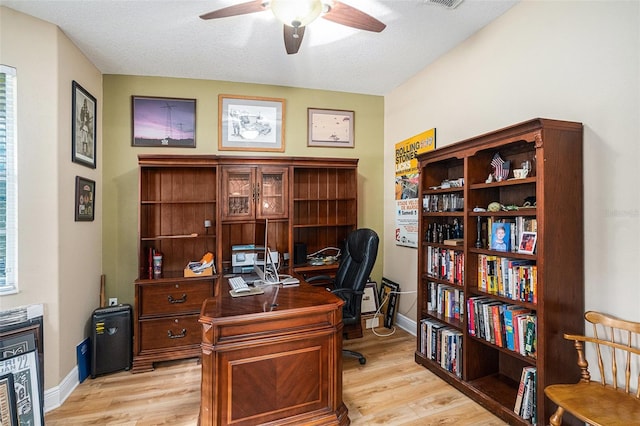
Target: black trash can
pixel 111 339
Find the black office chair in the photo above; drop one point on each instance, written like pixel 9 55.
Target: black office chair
pixel 358 257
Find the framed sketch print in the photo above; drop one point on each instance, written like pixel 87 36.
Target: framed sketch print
pixel 330 128
pixel 250 123
pixel 8 407
pixel 85 199
pixel 24 369
pixel 83 126
pixel 163 122
pixel 369 299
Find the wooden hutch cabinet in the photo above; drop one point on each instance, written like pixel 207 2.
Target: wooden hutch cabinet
pixel 476 298
pixel 254 192
pixel 177 195
pixel 193 204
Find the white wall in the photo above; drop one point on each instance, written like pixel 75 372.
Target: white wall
pixel 567 60
pixel 59 259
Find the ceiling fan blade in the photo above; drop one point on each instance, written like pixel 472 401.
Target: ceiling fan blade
pixel 344 14
pixel 293 38
pixel 238 9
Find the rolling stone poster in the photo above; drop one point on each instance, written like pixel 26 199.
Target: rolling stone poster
pixel 407 182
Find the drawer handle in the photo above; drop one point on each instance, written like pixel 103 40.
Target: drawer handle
pixel 177 336
pixel 181 300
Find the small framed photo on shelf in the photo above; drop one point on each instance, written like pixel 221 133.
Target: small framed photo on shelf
pixel 250 123
pixel 330 128
pixel 527 244
pixel 500 237
pixel 167 122
pixel 85 199
pixel 83 126
pixel 369 299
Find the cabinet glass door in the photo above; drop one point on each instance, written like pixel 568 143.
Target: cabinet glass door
pixel 272 193
pixel 238 190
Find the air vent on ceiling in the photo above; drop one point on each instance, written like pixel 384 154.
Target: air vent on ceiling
pixel 449 4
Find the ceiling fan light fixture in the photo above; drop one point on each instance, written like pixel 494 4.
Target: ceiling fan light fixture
pixel 296 13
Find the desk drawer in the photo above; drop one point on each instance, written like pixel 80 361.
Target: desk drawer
pixel 172 298
pixel 167 333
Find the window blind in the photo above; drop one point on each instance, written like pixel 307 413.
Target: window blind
pixel 8 182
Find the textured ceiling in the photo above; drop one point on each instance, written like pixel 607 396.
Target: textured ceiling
pixel 167 38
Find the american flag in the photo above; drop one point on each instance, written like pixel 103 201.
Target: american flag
pixel 497 164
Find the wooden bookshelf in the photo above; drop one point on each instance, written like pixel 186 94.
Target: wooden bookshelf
pixel 491 372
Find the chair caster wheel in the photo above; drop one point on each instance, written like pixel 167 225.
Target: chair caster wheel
pixel 362 361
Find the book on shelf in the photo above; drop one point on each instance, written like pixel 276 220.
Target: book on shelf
pixel 516 279
pixel 525 398
pixel 454 242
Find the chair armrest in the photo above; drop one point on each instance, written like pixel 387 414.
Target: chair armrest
pixel 319 278
pixel 339 291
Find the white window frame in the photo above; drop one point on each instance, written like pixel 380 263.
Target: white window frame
pixel 8 137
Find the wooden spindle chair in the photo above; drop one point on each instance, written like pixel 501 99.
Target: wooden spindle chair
pixel 603 402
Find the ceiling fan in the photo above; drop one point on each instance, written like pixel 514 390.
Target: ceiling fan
pixel 297 14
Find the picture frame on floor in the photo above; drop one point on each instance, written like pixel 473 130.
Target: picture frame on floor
pixel 24 370
pixel 8 407
pixel 370 301
pixel 389 296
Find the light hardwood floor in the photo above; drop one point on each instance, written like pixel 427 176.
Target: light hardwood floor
pixel 390 389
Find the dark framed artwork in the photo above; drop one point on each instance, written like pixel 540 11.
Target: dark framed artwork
pixel 24 369
pixel 167 122
pixel 389 297
pixel 83 126
pixel 8 407
pixel 250 123
pixel 85 199
pixel 330 128
pixel 19 343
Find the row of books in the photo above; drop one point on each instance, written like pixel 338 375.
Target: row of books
pixel 445 264
pixel 445 300
pixel 526 401
pixel 516 225
pixel 442 344
pixel 515 279
pixel 502 324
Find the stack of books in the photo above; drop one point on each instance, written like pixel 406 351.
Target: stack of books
pixel 525 405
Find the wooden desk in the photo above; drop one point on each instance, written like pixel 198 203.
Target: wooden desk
pixel 272 358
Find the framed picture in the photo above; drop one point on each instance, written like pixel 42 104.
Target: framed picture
pixel 24 369
pixel 250 123
pixel 500 236
pixel 8 407
pixel 369 299
pixel 163 122
pixel 17 344
pixel 389 296
pixel 85 199
pixel 83 126
pixel 527 242
pixel 330 128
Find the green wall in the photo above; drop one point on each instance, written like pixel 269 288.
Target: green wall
pixel 120 169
